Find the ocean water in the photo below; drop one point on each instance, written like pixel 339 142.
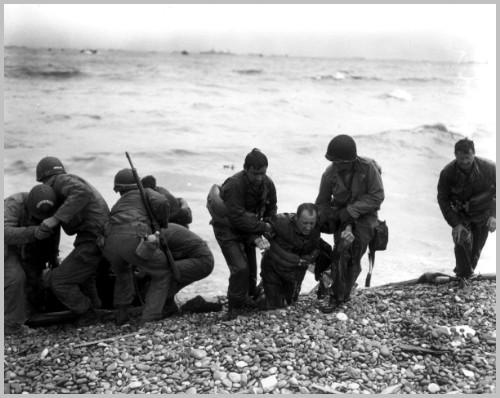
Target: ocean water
pixel 190 120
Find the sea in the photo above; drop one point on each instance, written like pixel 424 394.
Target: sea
pixel 189 119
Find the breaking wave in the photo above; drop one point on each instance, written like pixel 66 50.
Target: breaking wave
pixel 49 71
pixel 249 71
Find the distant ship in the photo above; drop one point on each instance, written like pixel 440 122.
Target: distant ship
pixel 88 51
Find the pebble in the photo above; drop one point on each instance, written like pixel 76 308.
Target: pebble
pixel 433 388
pixel 234 377
pixel 341 316
pixel 468 373
pixel 241 364
pixel 198 354
pixel 384 350
pixel 135 384
pixel 269 383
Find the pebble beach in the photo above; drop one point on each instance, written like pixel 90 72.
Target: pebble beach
pixel 419 338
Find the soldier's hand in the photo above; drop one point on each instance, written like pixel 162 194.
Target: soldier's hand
pixel 460 234
pixel 492 224
pixel 50 222
pixel 347 235
pixel 42 232
pixel 262 243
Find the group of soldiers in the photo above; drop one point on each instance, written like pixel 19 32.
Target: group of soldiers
pixel 147 233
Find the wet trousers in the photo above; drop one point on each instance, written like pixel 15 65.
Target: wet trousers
pixel 281 283
pixel 347 262
pixel 15 303
pixel 467 254
pixel 191 254
pixel 241 259
pixel 119 250
pixel 73 281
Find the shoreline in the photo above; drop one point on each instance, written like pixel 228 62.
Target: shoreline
pixel 387 339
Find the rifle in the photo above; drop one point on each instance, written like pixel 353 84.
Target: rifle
pixel 155 227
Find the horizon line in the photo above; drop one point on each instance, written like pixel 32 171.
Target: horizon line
pixel 213 51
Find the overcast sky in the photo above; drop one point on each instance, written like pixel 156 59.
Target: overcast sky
pixel 453 32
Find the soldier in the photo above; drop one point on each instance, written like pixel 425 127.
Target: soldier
pixel 350 193
pixel 128 225
pixel 240 215
pixel 467 199
pixel 180 212
pixel 28 247
pixel 82 212
pixel 294 245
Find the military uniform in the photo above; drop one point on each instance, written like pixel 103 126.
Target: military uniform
pixel 128 224
pixel 359 192
pixel 284 265
pixel 178 214
pixel 455 190
pixel 247 208
pixel 83 212
pixel 25 258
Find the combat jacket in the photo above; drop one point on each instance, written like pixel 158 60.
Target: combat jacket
pixel 247 206
pixel 19 232
pixel 289 245
pixel 456 189
pixel 363 197
pixel 178 214
pixel 129 213
pixel 82 208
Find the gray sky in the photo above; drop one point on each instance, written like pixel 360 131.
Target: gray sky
pixel 452 32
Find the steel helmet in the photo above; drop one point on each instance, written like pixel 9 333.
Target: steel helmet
pixel 124 180
pixel 341 147
pixel 47 167
pixel 41 201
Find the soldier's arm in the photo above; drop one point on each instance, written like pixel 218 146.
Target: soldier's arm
pixel 372 199
pixel 240 218
pixel 444 199
pixel 14 233
pixel 77 195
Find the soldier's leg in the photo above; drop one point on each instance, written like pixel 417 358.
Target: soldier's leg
pixel 272 284
pixel 236 259
pixel 193 269
pixel 363 233
pixel 479 237
pixel 464 266
pixel 252 268
pixel 75 270
pixel 158 291
pixel 14 292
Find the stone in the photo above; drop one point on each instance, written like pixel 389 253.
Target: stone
pixel 392 389
pixel 341 316
pixel 241 364
pixel 384 350
pixel 467 373
pixel 433 388
pixel 269 383
pixel 135 384
pixel 234 377
pixel 198 354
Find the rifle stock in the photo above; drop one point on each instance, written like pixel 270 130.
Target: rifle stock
pixel 155 226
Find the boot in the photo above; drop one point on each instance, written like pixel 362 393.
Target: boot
pixel 331 306
pixel 121 315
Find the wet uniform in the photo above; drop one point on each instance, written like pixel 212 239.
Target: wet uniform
pixel 455 189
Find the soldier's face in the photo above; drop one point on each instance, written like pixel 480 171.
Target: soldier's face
pixel 306 222
pixel 256 176
pixel 464 159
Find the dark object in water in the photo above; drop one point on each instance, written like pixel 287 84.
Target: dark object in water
pixel 199 305
pixel 184 52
